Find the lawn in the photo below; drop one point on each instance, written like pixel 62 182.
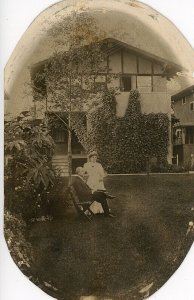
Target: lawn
pixel 116 258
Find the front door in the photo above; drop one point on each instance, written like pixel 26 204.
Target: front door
pixel 60 137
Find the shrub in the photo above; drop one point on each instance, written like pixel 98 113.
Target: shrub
pixel 28 172
pixel 34 203
pixel 15 235
pixel 166 168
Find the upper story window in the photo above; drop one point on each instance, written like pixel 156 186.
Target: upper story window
pixel 189 136
pixel 99 86
pixel 125 83
pixel 184 100
pixel 192 106
pixel 144 84
pixel 100 83
pixel 191 96
pixel 178 133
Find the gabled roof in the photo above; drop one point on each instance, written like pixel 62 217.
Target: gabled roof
pixel 115 45
pixel 169 67
pixel 184 92
pixel 145 54
pixel 134 24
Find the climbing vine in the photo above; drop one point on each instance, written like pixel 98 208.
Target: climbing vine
pixel 126 144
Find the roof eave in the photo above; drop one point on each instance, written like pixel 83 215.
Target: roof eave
pixel 183 92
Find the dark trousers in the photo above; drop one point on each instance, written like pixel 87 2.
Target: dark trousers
pixel 100 197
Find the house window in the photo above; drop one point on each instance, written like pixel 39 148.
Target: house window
pixel 189 137
pixel 144 84
pixel 59 135
pixel 100 83
pixel 179 133
pixel 99 86
pixel 184 100
pixel 125 83
pixel 192 106
pixel 190 97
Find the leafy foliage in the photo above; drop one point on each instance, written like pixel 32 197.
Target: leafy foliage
pixel 69 80
pixel 166 168
pixel 28 172
pixel 15 235
pixel 30 148
pixel 126 144
pixel 79 56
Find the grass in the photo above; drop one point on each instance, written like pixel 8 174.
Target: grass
pixel 116 258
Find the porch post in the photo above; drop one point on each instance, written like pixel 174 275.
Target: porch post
pixel 170 144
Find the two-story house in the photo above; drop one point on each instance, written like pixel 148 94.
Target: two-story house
pixel 144 55
pixel 127 69
pixel 183 131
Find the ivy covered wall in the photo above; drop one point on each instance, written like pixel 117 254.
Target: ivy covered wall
pixel 125 144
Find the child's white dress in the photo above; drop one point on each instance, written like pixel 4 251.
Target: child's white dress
pixel 96 174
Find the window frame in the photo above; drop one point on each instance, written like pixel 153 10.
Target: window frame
pixel 192 106
pixel 184 99
pixel 100 86
pixel 122 89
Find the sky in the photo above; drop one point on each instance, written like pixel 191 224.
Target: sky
pixel 15 17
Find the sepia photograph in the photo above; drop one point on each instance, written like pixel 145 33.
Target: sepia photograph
pixel 99 150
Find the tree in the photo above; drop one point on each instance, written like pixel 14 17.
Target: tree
pixel 69 80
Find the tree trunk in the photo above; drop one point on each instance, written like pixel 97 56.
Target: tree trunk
pixel 69 153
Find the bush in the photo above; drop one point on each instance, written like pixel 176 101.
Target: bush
pixel 20 198
pixel 166 168
pixel 55 200
pixel 28 173
pixel 15 235
pixel 34 203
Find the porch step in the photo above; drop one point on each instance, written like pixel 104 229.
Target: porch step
pixel 60 163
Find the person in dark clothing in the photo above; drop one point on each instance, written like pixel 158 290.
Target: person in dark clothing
pixel 85 193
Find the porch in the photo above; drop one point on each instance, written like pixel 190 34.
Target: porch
pixel 60 162
pixel 60 158
pixel 183 144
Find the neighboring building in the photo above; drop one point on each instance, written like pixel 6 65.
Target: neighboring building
pixel 183 130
